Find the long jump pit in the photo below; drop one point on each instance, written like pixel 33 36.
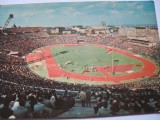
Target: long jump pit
pixel 89 64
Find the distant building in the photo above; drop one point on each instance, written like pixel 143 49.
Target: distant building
pixel 152 34
pixel 141 31
pixel 149 33
pixel 57 30
pixel 97 30
pixel 80 29
pixel 77 27
pixel 66 32
pixel 127 31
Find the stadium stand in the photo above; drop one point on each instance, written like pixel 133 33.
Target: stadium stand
pixel 19 87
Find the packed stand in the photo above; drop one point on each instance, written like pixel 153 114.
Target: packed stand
pixel 21 89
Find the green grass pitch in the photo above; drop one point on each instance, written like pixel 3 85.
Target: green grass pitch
pixel 78 58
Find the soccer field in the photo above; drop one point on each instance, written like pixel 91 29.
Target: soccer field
pixel 79 58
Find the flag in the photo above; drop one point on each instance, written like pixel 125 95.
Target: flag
pixel 139 65
pixel 85 71
pixel 110 50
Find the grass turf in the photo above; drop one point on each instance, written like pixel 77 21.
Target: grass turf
pixel 78 58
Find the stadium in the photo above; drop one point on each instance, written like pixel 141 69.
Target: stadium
pixel 110 68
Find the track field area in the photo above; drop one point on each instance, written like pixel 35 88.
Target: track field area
pixel 89 63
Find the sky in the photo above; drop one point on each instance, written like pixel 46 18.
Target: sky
pixel 80 13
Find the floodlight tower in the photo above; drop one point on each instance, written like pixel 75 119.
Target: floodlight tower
pixel 7 22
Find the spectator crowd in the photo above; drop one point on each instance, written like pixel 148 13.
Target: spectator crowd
pixel 26 95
